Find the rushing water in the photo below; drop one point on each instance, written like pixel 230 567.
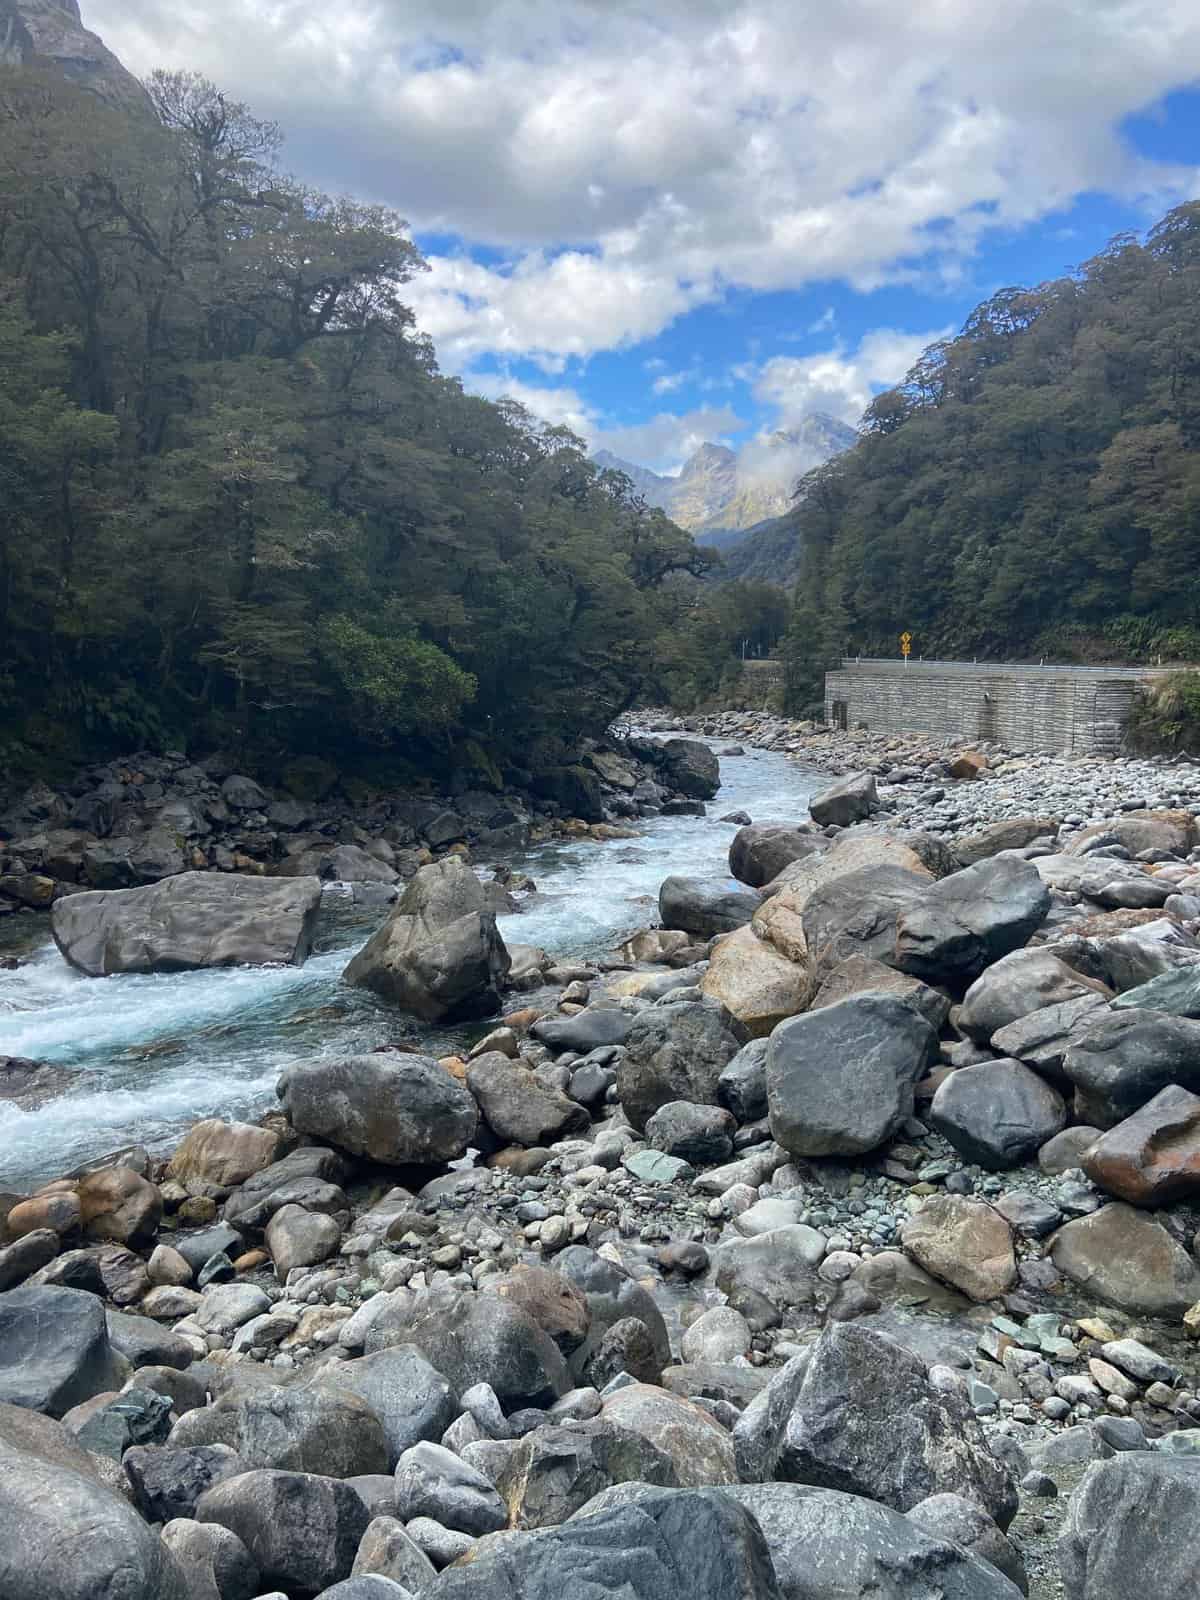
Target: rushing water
pixel 156 1053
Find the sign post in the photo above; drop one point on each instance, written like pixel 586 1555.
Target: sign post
pixel 906 646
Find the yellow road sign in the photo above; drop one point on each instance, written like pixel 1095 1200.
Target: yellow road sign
pixel 906 644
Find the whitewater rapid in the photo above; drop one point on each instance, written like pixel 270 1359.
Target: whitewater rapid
pixel 153 1054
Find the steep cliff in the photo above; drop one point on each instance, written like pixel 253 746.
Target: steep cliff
pixel 39 33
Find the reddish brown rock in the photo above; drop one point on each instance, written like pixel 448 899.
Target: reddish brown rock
pixel 1153 1157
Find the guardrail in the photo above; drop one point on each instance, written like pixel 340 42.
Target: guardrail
pixel 990 668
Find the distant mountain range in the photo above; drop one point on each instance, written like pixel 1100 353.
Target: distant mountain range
pixel 721 493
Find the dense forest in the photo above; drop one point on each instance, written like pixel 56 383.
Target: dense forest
pixel 1031 489
pixel 243 508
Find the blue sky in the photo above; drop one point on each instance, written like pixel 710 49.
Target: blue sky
pixel 687 219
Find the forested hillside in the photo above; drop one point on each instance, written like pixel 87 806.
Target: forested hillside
pixel 242 508
pixel 1033 487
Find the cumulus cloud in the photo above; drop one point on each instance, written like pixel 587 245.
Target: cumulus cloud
pixel 665 442
pixel 629 162
pixel 838 381
pixel 564 407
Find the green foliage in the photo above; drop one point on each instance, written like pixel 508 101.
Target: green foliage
pixel 1166 716
pixel 241 504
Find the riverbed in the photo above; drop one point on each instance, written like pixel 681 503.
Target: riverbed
pixel 156 1053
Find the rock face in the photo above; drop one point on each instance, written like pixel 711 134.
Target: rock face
pixel 675 1052
pixel 840 1080
pixel 851 800
pixel 393 1108
pixel 1125 1529
pixel 963 1242
pixel 970 919
pixel 196 919
pixel 54 1350
pixel 41 33
pixel 1127 1260
pixel 754 983
pixel 760 851
pixel 704 906
pixel 1122 1060
pixel 1153 1157
pixel 997 1113
pixel 439 954
pixel 868 1421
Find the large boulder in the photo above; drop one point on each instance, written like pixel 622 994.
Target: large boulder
pixel 1126 1259
pixel 394 1108
pixel 55 1350
pixel 643 1544
pixel 592 1028
pixel 221 1154
pixel 196 919
pixel 1043 1038
pixel 610 1295
pixel 432 1481
pixel 860 974
pixel 840 1080
pixel 780 1265
pixel 301 1429
pixel 1011 833
pixel 1177 993
pixel 856 914
pixel 518 1107
pixel 557 1305
pixel 1153 1157
pixel 698 1447
pixel 867 1420
pixel 406 1392
pixel 704 906
pixel 1125 1058
pixel 754 983
pixel 971 919
pixel 1166 832
pixel 675 1052
pixel 997 1113
pixel 692 768
pixel 1128 1529
pixel 760 851
pixel 439 954
pixel 1019 984
pixel 964 1242
pixel 574 790
pixel 556 1470
pixel 302 1530
pixel 849 800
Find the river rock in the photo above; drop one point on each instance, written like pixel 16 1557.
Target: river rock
pixel 30 1084
pixel 856 914
pixel 26 1255
pixel 1164 832
pixel 953 1520
pixel 518 1107
pixel 394 1108
pixel 302 1530
pixel 387 1551
pixel 742 1086
pixel 1153 1157
pixel 556 1470
pixel 868 1421
pixel 439 954
pixel 1175 993
pixel 611 1295
pixel 1023 982
pixel 222 1154
pixel 1043 1038
pixel 557 1305
pixel 997 1113
pixel 780 1265
pixel 860 974
pixel 1124 1059
pixel 408 1395
pixel 849 800
pixel 963 1242
pixel 840 1080
pixel 1010 833
pixel 971 919
pixel 118 1203
pixel 675 1052
pixel 780 917
pixel 217 1562
pixel 1126 1529
pixel 704 906
pixel 195 919
pixel 145 1343
pixel 55 1350
pixel 432 1481
pixel 698 1447
pixel 165 1483
pixel 760 851
pixel 692 768
pixel 1127 1260
pixel 755 984
pixel 701 1135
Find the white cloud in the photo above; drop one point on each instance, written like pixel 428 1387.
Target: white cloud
pixel 665 442
pixel 839 381
pixel 824 322
pixel 565 406
pixel 632 161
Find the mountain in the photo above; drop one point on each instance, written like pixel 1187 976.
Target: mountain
pixel 39 33
pixel 720 494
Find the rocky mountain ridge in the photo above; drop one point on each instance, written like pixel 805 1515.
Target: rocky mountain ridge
pixel 40 33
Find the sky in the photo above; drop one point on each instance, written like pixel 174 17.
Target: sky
pixel 669 221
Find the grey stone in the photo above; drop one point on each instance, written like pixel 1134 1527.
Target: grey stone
pixel 971 919
pixel 395 1108
pixel 302 1531
pixel 998 1113
pixel 759 852
pixel 704 906
pixel 518 1107
pixel 742 1085
pixel 1019 984
pixel 675 1052
pixel 855 914
pixel 166 1483
pixel 1127 1524
pixel 1127 1260
pixel 408 1395
pixel 849 800
pixel 386 1550
pixel 216 1561
pixel 55 1350
pixel 955 1521
pixel 1123 1059
pixel 433 1482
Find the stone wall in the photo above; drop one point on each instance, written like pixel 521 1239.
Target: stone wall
pixel 1066 709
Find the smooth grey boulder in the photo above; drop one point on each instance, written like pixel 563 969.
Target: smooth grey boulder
pixel 1010 833
pixel 997 1113
pixel 1129 1529
pixel 635 1542
pixel 253 1203
pixel 971 919
pixel 742 1085
pixel 475 1338
pixel 218 1565
pixel 387 1551
pixel 858 974
pixel 956 1521
pixel 432 1481
pixel 1041 1039
pixel 780 1265
pixel 675 1052
pixel 1124 1058
pixel 867 1420
pixel 518 1107
pixel 1126 1259
pixel 397 1109
pixel 305 1429
pixel 831 1546
pixel 850 800
pixel 840 1080
pixel 54 1349
pixel 27 1255
pixel 302 1531
pixel 701 1135
pixel 590 1029
pixel 297 1237
pixel 166 1483
pixel 704 906
pixel 439 954
pixel 146 1343
pixel 1020 983
pixel 195 919
pixel 760 851
pixel 692 768
pixel 408 1395
pixel 856 914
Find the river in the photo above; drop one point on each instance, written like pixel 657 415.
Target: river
pixel 156 1053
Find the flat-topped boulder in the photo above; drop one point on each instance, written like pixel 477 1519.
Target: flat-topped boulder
pixel 704 906
pixel 195 919
pixel 394 1108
